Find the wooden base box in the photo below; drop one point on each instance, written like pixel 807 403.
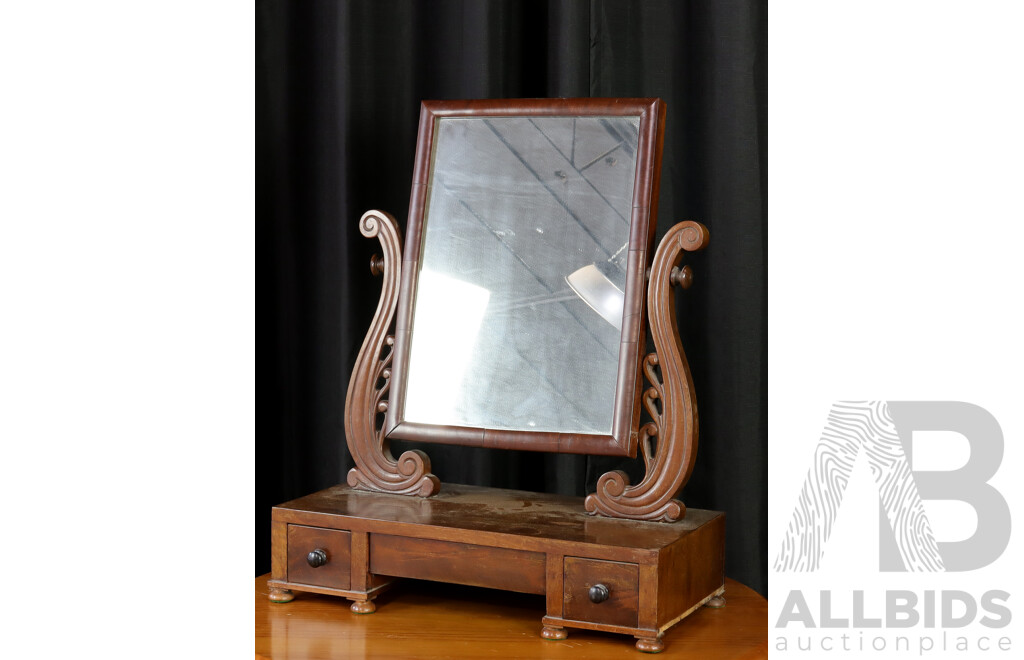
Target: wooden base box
pixel 622 576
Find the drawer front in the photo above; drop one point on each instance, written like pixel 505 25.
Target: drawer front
pixel 459 563
pixel 622 584
pixel 336 547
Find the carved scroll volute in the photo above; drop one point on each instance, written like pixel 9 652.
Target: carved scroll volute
pixel 376 469
pixel 670 400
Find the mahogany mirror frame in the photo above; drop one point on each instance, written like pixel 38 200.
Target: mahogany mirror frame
pixel 622 441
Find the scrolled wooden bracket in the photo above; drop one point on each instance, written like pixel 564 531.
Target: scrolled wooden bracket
pixel 376 469
pixel 670 399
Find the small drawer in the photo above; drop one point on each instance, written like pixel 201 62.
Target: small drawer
pixel 319 557
pixel 621 591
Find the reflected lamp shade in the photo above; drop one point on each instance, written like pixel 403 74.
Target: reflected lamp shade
pixel 594 287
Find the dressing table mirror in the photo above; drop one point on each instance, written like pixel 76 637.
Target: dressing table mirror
pixel 516 318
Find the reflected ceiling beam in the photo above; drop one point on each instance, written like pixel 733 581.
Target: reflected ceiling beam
pixel 579 171
pixel 544 183
pixel 526 266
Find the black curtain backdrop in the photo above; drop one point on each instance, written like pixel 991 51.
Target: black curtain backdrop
pixel 338 89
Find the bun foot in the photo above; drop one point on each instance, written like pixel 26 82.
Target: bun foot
pixel 281 596
pixel 650 644
pixel 716 602
pixel 551 632
pixel 363 607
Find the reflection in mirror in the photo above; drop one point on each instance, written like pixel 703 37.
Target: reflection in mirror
pixel 519 296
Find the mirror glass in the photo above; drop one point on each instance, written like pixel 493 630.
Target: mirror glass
pixel 517 318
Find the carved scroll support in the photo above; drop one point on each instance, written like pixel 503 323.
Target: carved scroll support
pixel 376 469
pixel 670 400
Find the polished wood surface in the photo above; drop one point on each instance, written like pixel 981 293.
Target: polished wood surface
pixel 518 518
pixel 426 620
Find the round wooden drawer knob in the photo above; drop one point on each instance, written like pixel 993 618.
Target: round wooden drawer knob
pixel 599 593
pixel 317 558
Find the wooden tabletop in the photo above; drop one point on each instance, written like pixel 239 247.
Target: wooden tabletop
pixel 432 620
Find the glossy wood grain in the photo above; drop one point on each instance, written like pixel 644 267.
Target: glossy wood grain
pixel 426 620
pixel 547 520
